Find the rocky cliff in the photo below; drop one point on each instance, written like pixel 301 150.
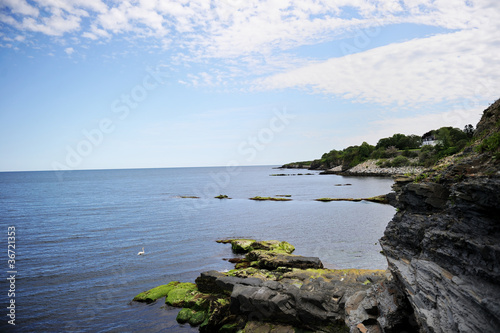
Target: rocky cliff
pixel 443 244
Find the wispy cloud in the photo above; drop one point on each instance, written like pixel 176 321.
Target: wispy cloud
pixel 446 67
pixel 246 39
pixel 452 66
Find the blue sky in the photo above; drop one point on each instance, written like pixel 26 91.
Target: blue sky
pixel 138 84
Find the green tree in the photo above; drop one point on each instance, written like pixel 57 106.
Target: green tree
pixel 400 141
pixel 469 130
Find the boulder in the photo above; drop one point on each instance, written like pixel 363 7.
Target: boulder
pixel 274 246
pixel 242 245
pixel 273 260
pixel 206 282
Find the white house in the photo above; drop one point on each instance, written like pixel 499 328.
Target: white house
pixel 429 139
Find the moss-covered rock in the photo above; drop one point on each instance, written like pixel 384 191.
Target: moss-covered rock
pixel 242 245
pixel 259 198
pixel 181 294
pixel 270 288
pixel 194 318
pixel 152 295
pixel 184 315
pixel 274 246
pixel 378 199
pixel 197 318
pixel 337 199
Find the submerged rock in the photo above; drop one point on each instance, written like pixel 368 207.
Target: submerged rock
pixel 259 198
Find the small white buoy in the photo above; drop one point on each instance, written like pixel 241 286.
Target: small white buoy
pixel 141 252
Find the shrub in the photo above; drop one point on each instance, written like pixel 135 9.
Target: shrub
pixel 410 153
pixel 490 144
pixel 400 161
pixel 390 152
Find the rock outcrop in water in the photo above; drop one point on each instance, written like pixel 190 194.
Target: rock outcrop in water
pixel 273 290
pixel 443 245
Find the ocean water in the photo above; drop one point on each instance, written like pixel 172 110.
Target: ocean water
pixel 77 238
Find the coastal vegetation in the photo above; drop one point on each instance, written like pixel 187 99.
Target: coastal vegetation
pixel 399 150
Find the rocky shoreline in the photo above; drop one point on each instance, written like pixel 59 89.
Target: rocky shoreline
pixel 366 169
pixel 272 290
pixel 371 169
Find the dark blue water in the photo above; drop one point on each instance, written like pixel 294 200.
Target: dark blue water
pixel 77 239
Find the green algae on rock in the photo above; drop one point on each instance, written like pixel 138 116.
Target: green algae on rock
pixel 194 318
pixel 274 246
pixel 287 293
pixel 155 293
pixel 181 293
pixel 243 245
pixel 259 198
pixel 222 196
pixel 337 199
pixel 378 199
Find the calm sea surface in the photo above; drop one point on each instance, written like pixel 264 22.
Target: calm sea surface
pixel 77 239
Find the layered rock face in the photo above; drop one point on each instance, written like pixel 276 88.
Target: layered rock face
pixel 443 244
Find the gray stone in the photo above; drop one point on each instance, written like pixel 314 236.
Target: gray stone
pixel 273 260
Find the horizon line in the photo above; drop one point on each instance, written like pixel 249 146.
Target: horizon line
pixel 142 168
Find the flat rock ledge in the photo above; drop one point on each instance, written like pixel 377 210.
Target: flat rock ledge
pixel 272 290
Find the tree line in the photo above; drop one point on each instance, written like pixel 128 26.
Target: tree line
pixel 400 149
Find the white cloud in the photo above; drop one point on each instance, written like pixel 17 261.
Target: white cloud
pixel 252 37
pixel 55 25
pixel 228 28
pixel 69 50
pixel 20 7
pixel 452 66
